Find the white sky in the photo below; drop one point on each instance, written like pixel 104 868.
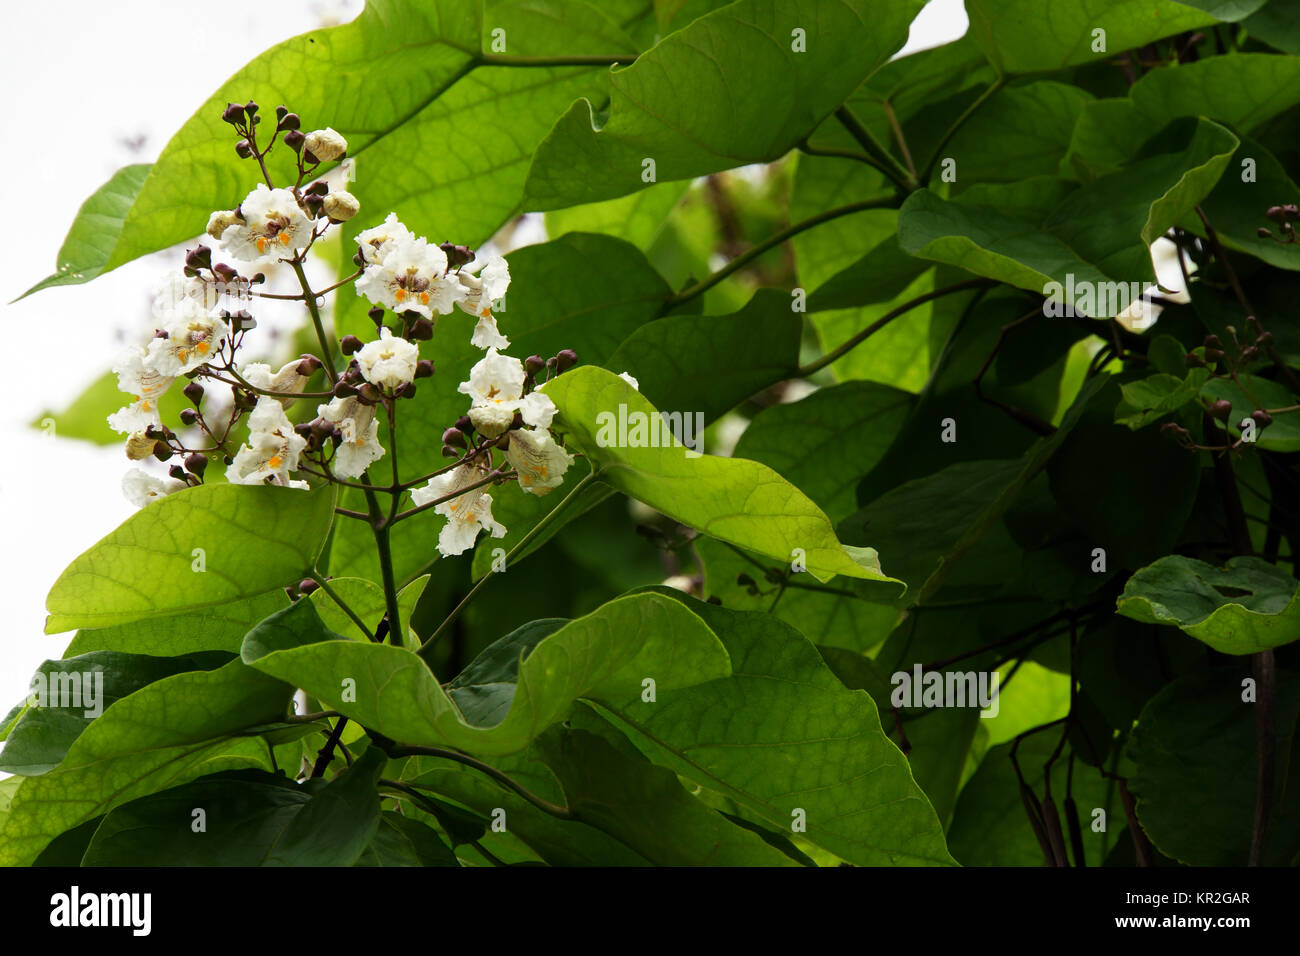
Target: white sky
pixel 83 77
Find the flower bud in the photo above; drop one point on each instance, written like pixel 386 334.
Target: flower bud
pixel 421 330
pixel 308 365
pixel 449 452
pixel 341 205
pixel 243 150
pixel 424 368
pixel 325 144
pixel 177 472
pixel 1221 409
pixel 464 424
pixel 1262 418
pixel 233 114
pixel 534 364
pixel 1213 355
pixel 307 585
pixel 1263 233
pixel 194 392
pixel 220 221
pixel 196 463
pixel 344 390
pixel 565 359
pixel 350 344
pixel 250 108
pixel 405 390
pixel 188 416
pixel 225 272
pixel 139 446
pixel 289 121
pixel 376 315
pixel 161 451
pixel 294 140
pixel 454 437
pixel 199 257
pixel 368 394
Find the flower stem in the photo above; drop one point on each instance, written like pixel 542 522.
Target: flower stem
pixel 326 353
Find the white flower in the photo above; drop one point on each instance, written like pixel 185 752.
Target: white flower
pixel 388 362
pixel 272 450
pixel 378 241
pixel 411 279
pixel 495 387
pixel 287 379
pixel 360 447
pixel 325 144
pixel 465 514
pixel 538 460
pixel 145 385
pixel 274 226
pixel 494 380
pixel 630 380
pixel 193 338
pixel 480 292
pixel 142 488
pixel 174 289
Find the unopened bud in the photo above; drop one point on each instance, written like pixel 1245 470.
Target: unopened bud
pixel 233 114
pixel 369 394
pixel 565 359
pixel 344 390
pixel 405 390
pixel 464 424
pixel 1221 409
pixel 424 368
pixel 250 108
pixel 243 150
pixel 220 221
pixel 199 257
pixel 188 416
pixel 294 140
pixel 457 256
pixel 350 344
pixel 225 272
pixel 449 452
pixel 288 121
pixel 1263 233
pixel 341 205
pixel 196 463
pixel 308 365
pixel 177 472
pixel 139 446
pixel 376 315
pixel 326 144
pixel 307 585
pixel 454 437
pixel 421 329
pixel 534 364
pixel 194 392
pixel 161 451
pixel 1262 418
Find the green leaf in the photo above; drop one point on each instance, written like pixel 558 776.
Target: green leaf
pixel 825 443
pixel 249 540
pixel 1283 433
pixel 1244 90
pixel 731 499
pixel 1018 37
pixel 1195 784
pixel 1150 399
pixel 1247 606
pixel 59 710
pixel 89 246
pixel 729 89
pixel 1229 10
pixel 639 803
pixel 710 364
pixel 1019 132
pixel 485 689
pixel 1233 208
pixel 1278 25
pixel 638 218
pixel 366 599
pixel 783 734
pixel 337 824
pixel 220 628
pixel 842 614
pixel 401 841
pixel 605 654
pixel 164 735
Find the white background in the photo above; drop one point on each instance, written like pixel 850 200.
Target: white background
pixel 82 80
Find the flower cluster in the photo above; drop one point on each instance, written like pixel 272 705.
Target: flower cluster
pixel 202 318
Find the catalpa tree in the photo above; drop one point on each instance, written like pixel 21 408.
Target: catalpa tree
pixel 720 442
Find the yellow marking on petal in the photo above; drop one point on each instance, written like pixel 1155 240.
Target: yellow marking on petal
pixel 424 298
pixel 261 243
pixel 485 312
pixel 400 295
pixel 202 348
pixel 275 461
pixel 284 238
